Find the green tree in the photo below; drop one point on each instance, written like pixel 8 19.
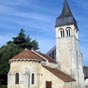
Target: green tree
pixel 24 41
pixel 12 48
pixel 6 53
pixel 20 40
pixel 34 44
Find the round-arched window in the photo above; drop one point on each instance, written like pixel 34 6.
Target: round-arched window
pixel 68 31
pixel 17 78
pixel 33 78
pixel 61 30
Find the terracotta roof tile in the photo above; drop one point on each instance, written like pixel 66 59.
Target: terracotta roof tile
pixel 27 54
pixel 32 55
pixel 60 74
pixel 48 58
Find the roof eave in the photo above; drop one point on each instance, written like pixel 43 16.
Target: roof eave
pixel 66 21
pixel 13 60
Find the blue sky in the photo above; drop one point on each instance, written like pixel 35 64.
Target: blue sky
pixel 37 18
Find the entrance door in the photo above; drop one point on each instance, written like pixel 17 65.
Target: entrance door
pixel 48 84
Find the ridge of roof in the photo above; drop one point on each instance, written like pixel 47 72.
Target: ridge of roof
pixel 44 56
pixel 48 58
pixel 53 48
pixel 32 55
pixel 59 74
pixel 27 54
pixel 39 55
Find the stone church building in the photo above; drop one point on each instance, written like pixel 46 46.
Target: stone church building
pixel 31 69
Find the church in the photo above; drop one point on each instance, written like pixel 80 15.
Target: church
pixel 32 69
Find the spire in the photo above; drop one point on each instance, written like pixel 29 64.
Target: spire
pixel 66 16
pixel 66 12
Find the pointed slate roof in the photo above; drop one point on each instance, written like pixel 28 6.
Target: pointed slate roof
pixel 66 12
pixel 66 16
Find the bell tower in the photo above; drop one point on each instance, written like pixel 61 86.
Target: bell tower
pixel 68 55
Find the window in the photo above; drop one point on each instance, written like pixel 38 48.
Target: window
pixel 17 78
pixel 53 54
pixel 61 32
pixel 68 31
pixel 32 80
pixel 50 54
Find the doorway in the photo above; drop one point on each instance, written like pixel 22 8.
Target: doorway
pixel 48 84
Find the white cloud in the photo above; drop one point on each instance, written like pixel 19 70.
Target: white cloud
pixel 4 8
pixel 36 16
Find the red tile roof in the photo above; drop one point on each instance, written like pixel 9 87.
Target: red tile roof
pixel 32 55
pixel 59 74
pixel 48 58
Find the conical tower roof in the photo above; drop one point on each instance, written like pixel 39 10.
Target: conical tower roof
pixel 66 12
pixel 66 16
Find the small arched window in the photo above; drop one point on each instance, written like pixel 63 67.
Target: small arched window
pixel 33 78
pixel 68 29
pixel 61 32
pixel 17 78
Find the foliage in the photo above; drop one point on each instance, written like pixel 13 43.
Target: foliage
pixel 24 41
pixel 13 47
pixel 34 44
pixel 6 53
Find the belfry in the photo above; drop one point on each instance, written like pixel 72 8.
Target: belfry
pixel 68 55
